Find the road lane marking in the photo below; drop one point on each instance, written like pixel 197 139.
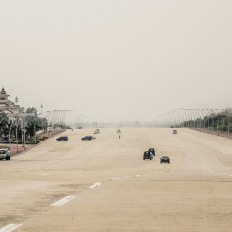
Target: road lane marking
pixel 202 161
pixel 10 227
pixel 220 162
pixel 186 159
pixel 63 201
pixel 95 185
pixel 225 174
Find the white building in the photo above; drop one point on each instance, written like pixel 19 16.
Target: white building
pixel 9 107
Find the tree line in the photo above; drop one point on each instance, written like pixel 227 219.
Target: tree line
pixel 22 128
pixel 221 121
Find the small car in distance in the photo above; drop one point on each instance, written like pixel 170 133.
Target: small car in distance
pixel 62 138
pixel 4 154
pixel 147 155
pixel 87 138
pixel 97 131
pixel 164 159
pixel 152 150
pixel 174 132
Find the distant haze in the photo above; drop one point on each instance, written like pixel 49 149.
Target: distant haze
pixel 117 59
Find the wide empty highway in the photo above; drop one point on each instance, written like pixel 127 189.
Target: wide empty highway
pixel 105 185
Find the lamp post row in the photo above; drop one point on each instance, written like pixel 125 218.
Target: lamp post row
pixel 194 118
pixel 55 118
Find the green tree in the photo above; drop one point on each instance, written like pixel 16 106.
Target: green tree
pixel 31 110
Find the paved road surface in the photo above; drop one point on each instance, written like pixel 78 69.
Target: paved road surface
pixel 105 185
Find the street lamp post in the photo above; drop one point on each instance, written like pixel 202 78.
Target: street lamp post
pixel 17 123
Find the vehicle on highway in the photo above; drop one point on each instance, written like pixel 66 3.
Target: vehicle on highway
pixel 174 132
pixel 152 150
pixel 43 138
pixel 4 154
pixel 62 138
pixel 147 155
pixel 87 138
pixel 164 159
pixel 97 131
pixel 49 129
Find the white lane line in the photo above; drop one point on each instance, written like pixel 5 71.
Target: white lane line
pixel 97 184
pixel 126 177
pixel 220 162
pixel 10 227
pixel 115 178
pixel 225 174
pixel 63 200
pixel 186 159
pixel 202 161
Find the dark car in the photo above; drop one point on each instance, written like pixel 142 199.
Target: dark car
pixel 62 138
pixel 152 150
pixel 164 159
pixel 174 132
pixel 147 155
pixel 87 138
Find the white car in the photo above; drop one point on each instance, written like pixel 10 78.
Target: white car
pixel 4 154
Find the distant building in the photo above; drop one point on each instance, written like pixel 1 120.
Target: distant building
pixel 7 106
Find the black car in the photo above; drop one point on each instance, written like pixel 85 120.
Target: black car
pixel 152 150
pixel 147 155
pixel 62 138
pixel 87 138
pixel 164 159
pixel 174 132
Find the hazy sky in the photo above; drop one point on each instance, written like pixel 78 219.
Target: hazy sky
pixel 117 59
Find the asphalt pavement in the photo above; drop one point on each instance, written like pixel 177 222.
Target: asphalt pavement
pixel 105 185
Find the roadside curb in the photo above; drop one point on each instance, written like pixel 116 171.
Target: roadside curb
pixel 213 133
